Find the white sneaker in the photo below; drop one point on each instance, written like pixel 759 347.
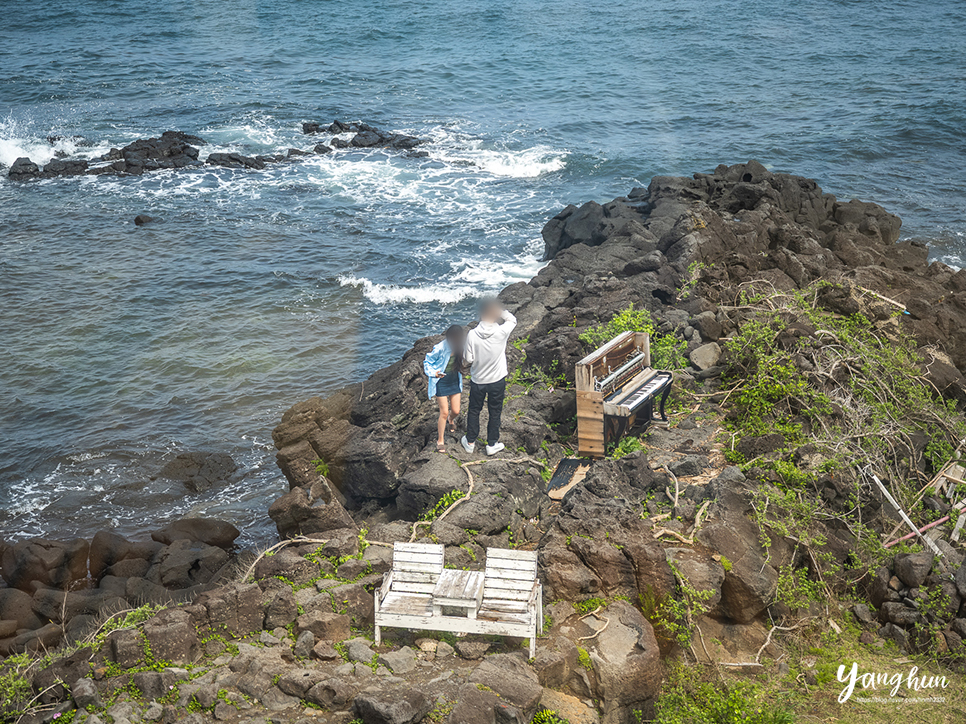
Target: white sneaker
pixel 467 445
pixel 494 449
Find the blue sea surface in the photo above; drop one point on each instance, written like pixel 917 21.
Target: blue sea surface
pixel 122 346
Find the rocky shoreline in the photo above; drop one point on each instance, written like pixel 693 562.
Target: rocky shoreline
pixel 287 634
pixel 175 150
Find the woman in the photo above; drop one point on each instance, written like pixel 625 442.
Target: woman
pixel 442 366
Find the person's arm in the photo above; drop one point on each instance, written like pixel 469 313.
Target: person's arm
pixel 509 322
pixel 469 353
pixel 431 362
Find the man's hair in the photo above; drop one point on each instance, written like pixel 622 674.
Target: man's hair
pixel 490 307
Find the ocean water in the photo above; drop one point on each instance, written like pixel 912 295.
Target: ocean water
pixel 122 346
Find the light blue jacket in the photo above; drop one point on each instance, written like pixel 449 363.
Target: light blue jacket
pixel 436 361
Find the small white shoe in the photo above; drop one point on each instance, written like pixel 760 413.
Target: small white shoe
pixel 467 445
pixel 494 449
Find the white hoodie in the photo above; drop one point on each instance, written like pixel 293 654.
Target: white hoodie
pixel 485 349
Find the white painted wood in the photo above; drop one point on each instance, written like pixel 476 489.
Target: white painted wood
pixel 510 554
pixel 957 531
pixel 511 564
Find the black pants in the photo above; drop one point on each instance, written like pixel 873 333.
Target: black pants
pixel 493 393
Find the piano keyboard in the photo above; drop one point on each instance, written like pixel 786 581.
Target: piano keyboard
pixel 651 388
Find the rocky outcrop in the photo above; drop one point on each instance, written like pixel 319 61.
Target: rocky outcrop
pixel 366 136
pixel 200 471
pixel 177 150
pixel 63 590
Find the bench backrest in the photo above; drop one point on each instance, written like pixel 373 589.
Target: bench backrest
pixel 510 574
pixel 416 566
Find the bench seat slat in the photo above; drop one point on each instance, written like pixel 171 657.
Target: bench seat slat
pixel 511 564
pixel 408 604
pixel 497 553
pixel 510 574
pixel 504 594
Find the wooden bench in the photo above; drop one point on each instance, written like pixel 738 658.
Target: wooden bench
pixel 405 599
pixel 508 601
pixel 512 596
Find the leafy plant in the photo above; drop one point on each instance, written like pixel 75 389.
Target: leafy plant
pixel 442 504
pixel 685 699
pixel 667 352
pixel 321 467
pixel 588 605
pixel 548 716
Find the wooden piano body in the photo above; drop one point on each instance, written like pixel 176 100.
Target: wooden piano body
pixel 616 389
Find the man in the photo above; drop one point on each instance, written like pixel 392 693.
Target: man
pixel 485 352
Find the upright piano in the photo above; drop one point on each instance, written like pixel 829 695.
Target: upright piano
pixel 616 390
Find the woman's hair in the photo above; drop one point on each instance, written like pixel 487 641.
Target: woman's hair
pixel 456 336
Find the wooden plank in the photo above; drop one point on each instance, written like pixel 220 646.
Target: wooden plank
pixel 509 575
pixel 502 604
pixel 902 514
pixel 418 547
pixel 418 567
pixel 508 564
pixel 426 588
pixel 957 531
pixel 602 351
pixel 415 576
pixel 511 554
pixel 519 594
pixel 409 559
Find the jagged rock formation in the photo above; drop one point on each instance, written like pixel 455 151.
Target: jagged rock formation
pixel 178 150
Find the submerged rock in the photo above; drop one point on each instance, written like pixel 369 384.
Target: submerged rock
pixel 199 471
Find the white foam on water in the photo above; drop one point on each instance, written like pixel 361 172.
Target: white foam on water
pixel 452 146
pixel 16 141
pixel 395 294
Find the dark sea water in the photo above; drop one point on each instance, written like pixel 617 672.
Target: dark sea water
pixel 121 346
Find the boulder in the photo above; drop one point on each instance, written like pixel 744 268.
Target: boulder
pixel 331 694
pixel 474 706
pixel 142 219
pixel 392 706
pixel 281 610
pixel 512 679
pixel 172 637
pixel 304 645
pixel 23 169
pixel 85 694
pixel 108 548
pixel 326 625
pixel 51 563
pixel 199 470
pixel 402 661
pixel 296 682
pixel 302 512
pixel 912 568
pixel 705 356
pixel 234 160
pixel 186 563
pixel 237 608
pixel 17 606
pixel 202 530
pixel 627 664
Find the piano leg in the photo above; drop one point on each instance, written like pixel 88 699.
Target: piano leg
pixel 614 428
pixel 664 396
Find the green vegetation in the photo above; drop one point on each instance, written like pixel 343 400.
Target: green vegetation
pixel 583 658
pixel 442 504
pixel 548 716
pixel 855 398
pixel 591 604
pixel 687 700
pixel 15 690
pixel 667 352
pixel 624 447
pixel 321 467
